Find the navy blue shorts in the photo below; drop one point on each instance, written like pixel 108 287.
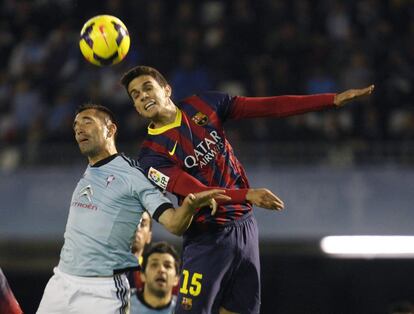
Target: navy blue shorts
pixel 221 268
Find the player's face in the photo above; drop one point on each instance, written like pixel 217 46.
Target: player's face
pixel 143 234
pixel 160 275
pixel 91 132
pixel 150 98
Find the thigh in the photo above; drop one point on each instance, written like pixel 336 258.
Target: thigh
pixel 108 298
pixel 242 294
pixel 55 296
pixel 65 295
pixel 205 264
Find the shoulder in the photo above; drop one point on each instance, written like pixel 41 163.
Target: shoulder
pixel 211 98
pixel 132 163
pixel 131 169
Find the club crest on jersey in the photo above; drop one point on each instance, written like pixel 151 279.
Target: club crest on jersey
pixel 109 179
pixel 200 119
pixel 158 178
pixel 187 303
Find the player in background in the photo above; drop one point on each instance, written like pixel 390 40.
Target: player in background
pixel 105 210
pixel 160 274
pixel 142 239
pixel 186 150
pixel 143 236
pixel 8 303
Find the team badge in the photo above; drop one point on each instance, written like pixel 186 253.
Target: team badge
pixel 187 303
pixel 109 179
pixel 158 178
pixel 200 119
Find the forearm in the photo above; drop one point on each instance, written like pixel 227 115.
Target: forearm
pixel 185 184
pixel 177 220
pixel 279 106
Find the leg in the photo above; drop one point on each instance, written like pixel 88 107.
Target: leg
pixel 243 293
pixel 56 295
pixel 206 262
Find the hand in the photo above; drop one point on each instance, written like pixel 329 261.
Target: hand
pixel 352 94
pixel 265 199
pixel 206 198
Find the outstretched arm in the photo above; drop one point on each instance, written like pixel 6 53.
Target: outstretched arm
pixel 177 220
pixel 283 106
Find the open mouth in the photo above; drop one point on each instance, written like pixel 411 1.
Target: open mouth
pixel 161 280
pixel 149 105
pixel 82 140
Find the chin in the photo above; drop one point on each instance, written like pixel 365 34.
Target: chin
pixel 84 150
pixel 161 293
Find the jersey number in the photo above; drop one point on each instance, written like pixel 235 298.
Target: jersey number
pixel 195 286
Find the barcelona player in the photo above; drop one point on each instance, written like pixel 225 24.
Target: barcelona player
pixel 186 150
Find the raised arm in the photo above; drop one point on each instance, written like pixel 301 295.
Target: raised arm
pixel 282 106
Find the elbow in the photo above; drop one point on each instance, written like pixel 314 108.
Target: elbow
pixel 176 224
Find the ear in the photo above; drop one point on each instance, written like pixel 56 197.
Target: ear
pixel 168 90
pixel 142 275
pixel 149 237
pixel 176 280
pixel 111 130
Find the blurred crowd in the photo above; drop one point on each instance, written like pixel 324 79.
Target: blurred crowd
pixel 252 48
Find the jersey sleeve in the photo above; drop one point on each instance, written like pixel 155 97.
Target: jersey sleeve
pixel 150 197
pixel 177 181
pixel 278 106
pixel 221 103
pixel 151 163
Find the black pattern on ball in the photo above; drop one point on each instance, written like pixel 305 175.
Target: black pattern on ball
pixel 106 61
pixel 122 32
pixel 86 35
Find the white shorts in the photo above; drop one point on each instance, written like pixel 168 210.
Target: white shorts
pixel 66 293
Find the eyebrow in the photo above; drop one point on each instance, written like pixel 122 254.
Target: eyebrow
pixel 143 84
pixel 158 259
pixel 83 118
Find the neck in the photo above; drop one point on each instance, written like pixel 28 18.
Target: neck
pixel 156 301
pixel 167 116
pixel 109 150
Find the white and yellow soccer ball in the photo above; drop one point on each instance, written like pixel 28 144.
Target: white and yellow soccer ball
pixel 104 40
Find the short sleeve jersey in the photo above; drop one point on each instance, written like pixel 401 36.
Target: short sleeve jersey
pixel 105 210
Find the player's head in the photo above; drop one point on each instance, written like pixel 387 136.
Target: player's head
pixel 160 269
pixel 149 91
pixel 95 129
pixel 143 234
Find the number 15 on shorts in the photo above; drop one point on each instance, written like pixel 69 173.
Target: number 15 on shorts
pixel 193 286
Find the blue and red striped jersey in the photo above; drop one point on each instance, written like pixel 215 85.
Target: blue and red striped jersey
pixel 192 154
pixel 196 143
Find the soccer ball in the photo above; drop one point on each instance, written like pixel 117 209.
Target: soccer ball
pixel 104 40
